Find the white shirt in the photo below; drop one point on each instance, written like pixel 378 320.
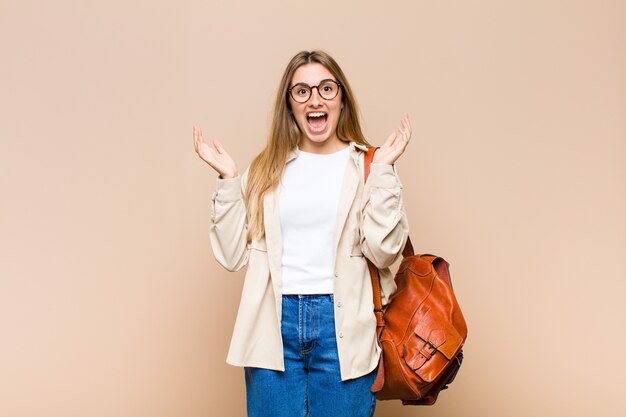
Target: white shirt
pixel 308 202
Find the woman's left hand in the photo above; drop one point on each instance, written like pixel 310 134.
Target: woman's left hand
pixel 395 144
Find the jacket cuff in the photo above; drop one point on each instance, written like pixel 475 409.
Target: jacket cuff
pixel 383 176
pixel 228 189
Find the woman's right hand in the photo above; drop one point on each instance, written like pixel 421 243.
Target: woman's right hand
pixel 216 157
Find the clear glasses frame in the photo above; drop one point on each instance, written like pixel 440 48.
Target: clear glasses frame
pixel 309 90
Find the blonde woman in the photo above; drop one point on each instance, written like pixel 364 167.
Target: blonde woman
pixel 302 220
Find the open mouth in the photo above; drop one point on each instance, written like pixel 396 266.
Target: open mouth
pixel 317 121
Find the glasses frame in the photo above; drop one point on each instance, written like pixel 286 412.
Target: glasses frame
pixel 311 87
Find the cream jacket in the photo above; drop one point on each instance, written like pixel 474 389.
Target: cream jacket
pixel 371 222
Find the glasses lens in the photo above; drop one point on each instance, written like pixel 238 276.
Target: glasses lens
pixel 301 93
pixel 328 89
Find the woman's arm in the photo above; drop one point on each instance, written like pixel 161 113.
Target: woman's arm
pixel 228 213
pixel 384 226
pixel 228 223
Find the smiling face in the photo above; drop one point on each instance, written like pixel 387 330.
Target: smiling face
pixel 318 117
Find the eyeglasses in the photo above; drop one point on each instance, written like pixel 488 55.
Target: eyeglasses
pixel 327 89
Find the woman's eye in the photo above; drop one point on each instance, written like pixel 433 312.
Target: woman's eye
pixel 302 91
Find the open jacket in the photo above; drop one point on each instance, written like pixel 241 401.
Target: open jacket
pixel 371 222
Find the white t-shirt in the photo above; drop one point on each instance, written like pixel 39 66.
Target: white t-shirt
pixel 308 203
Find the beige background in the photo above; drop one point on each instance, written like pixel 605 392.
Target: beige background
pixel 111 303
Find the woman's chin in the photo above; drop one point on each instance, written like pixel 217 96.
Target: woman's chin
pixel 317 134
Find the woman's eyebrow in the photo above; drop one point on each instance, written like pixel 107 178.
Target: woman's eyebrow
pixel 321 81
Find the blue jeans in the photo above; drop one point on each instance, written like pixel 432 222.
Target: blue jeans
pixel 311 383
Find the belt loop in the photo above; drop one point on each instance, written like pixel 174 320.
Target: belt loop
pixel 332 298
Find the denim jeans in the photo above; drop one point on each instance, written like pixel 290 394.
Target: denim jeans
pixel 311 383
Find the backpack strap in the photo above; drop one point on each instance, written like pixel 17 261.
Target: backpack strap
pixel 378 305
pixel 379 382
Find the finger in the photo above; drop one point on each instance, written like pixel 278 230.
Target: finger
pixel 210 156
pixel 399 144
pixel 406 133
pixel 402 129
pixel 196 142
pixel 218 146
pixel 405 123
pixel 390 140
pixel 196 134
pixel 401 141
pixel 199 139
pixel 408 125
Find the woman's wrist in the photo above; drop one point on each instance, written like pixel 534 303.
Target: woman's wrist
pixel 228 176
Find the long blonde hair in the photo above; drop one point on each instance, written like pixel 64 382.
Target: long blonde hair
pixel 267 168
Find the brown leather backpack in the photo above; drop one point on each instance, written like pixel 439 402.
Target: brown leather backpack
pixel 421 331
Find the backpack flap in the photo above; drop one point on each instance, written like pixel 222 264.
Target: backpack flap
pixel 431 346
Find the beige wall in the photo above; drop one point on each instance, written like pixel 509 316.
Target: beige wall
pixel 111 303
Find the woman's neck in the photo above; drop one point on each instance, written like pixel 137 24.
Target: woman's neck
pixel 330 145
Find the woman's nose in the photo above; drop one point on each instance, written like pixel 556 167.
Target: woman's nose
pixel 315 97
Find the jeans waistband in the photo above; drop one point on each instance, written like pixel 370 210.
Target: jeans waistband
pixel 331 297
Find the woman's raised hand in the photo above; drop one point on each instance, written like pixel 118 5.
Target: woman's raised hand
pixel 217 156
pixel 395 144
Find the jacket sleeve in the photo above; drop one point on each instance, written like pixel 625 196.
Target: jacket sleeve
pixel 384 225
pixel 228 223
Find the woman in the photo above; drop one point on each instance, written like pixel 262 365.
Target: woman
pixel 303 222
